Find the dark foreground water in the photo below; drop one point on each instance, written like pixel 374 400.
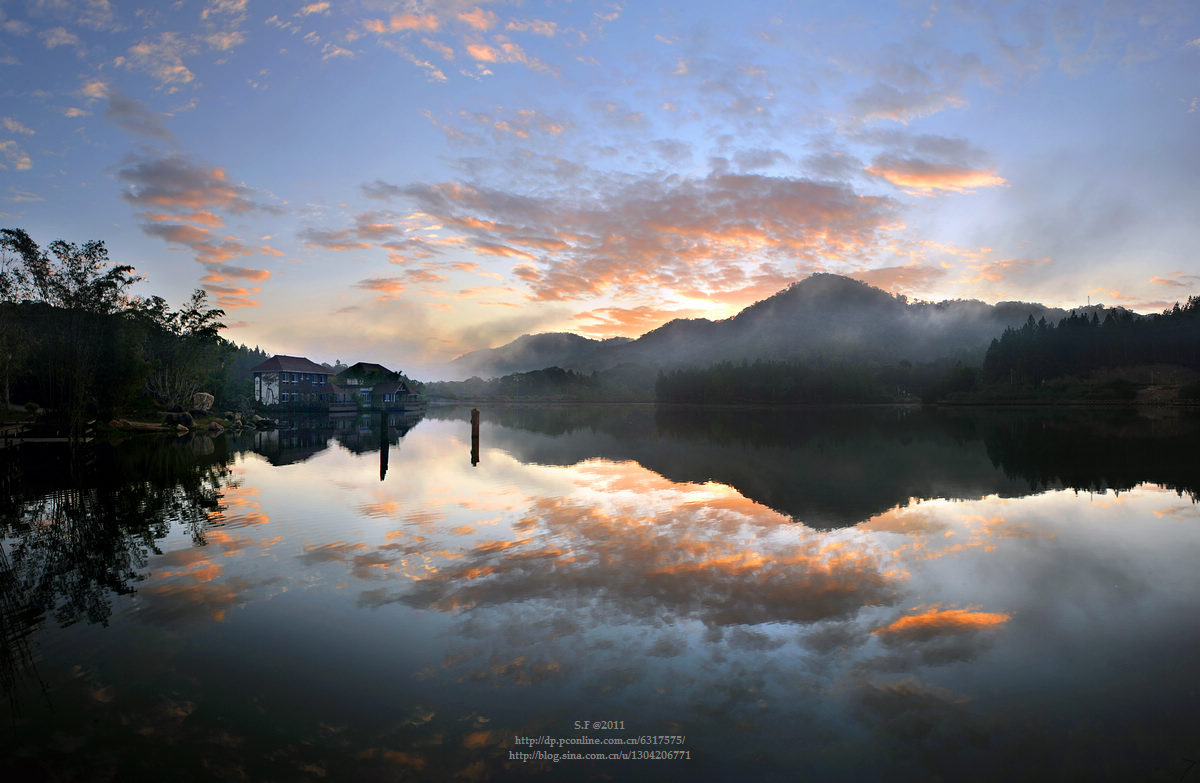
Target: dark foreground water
pixel 864 594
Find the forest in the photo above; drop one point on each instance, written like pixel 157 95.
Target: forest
pixel 75 343
pixel 1086 359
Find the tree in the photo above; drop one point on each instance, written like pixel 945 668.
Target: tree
pixel 84 290
pixel 184 348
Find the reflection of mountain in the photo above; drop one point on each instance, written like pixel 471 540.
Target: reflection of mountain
pixel 838 466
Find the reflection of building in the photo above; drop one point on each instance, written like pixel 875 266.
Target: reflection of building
pixel 299 438
pixel 295 381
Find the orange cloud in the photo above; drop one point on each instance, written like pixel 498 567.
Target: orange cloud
pixel 478 18
pixel 483 53
pixel 388 287
pixel 628 321
pixel 1000 269
pixel 677 234
pixel 901 279
pixel 934 622
pixel 202 218
pixel 402 22
pixel 925 178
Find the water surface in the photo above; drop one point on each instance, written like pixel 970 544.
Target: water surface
pixel 853 594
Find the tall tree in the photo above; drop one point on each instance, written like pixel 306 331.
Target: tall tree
pixel 87 289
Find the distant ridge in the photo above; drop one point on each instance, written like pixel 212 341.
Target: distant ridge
pixel 824 316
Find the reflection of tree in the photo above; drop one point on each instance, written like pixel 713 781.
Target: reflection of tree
pixel 830 467
pixel 1115 449
pixel 80 530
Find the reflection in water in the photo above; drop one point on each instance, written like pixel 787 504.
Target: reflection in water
pixel 949 607
pixel 835 467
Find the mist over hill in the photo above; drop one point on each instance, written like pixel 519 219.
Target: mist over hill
pixel 825 315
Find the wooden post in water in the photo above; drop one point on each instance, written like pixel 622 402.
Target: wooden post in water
pixel 474 437
pixel 383 444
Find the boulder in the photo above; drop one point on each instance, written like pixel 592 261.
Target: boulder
pixel 181 418
pixel 202 401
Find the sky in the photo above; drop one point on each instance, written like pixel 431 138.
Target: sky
pixel 403 182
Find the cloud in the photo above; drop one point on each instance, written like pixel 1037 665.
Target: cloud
pixel 220 273
pixel 314 8
pixel 175 183
pixel 132 116
pixel 934 622
pixel 58 36
pixel 209 248
pixel 404 22
pixel 225 40
pixel 535 26
pixel 505 52
pixel 638 236
pixel 628 321
pixel 885 102
pixel 22 196
pixel 183 202
pixel 233 297
pixel 925 178
pixel 1001 269
pixel 388 288
pixel 16 27
pixel 909 278
pixel 15 156
pixel 13 126
pixel 373 228
pixel 162 58
pixel 478 19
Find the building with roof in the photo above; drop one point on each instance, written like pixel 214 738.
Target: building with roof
pixel 297 382
pixel 284 380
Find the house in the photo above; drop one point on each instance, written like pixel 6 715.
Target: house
pixel 297 382
pixel 290 380
pixel 377 387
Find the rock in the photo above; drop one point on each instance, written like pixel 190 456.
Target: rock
pixel 215 426
pixel 181 418
pixel 197 413
pixel 202 401
pixel 182 430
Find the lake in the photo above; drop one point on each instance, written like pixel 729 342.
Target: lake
pixel 696 594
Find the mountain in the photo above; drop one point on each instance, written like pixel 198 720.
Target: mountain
pixel 824 315
pixel 531 352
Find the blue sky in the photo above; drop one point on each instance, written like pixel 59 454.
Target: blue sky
pixel 403 181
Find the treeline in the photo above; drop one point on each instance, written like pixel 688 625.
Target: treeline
pixel 795 382
pixel 623 383
pixel 1079 345
pixel 74 342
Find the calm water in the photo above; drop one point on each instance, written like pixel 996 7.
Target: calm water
pixel 824 595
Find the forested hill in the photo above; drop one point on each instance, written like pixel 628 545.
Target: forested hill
pixel 828 316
